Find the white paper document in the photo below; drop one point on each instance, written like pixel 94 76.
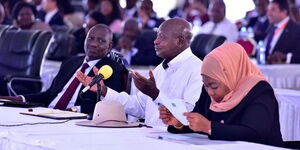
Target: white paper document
pixel 177 108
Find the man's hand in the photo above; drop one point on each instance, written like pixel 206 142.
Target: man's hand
pixel 277 58
pixel 147 86
pixel 167 117
pixel 197 122
pixel 85 80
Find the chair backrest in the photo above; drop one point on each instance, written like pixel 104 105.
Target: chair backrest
pixel 205 43
pixel 22 51
pixel 62 45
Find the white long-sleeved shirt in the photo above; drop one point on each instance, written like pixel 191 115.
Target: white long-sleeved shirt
pixel 225 28
pixel 181 80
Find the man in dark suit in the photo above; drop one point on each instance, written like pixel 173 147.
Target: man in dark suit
pixel 97 45
pixel 50 13
pixel 259 23
pixel 282 41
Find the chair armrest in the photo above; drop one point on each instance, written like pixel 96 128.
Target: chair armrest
pixel 13 78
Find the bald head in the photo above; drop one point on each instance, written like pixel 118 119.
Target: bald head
pixel 131 28
pixel 173 37
pixel 177 27
pixel 101 27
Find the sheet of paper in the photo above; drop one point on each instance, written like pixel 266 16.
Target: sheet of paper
pixel 177 108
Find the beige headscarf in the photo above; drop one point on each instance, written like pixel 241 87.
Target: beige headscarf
pixel 230 64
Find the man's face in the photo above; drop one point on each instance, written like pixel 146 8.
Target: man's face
pixel 275 15
pixel 261 7
pixel 49 5
pixel 97 43
pixel 165 44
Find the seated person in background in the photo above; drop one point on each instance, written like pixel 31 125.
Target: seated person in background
pixel 219 24
pixel 137 46
pixel 259 23
pixel 147 17
pixel 65 88
pixel 176 78
pixel 91 20
pixel 282 41
pixel 50 13
pixel 24 17
pixel 110 9
pixel 236 103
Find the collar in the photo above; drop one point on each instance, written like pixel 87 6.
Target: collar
pixel 282 22
pixel 91 63
pixel 185 54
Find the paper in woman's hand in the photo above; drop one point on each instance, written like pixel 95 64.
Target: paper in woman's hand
pixel 177 108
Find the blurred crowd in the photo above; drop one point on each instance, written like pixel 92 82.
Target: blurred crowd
pixel 134 25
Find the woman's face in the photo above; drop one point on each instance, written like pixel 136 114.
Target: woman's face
pixel 25 17
pixel 106 8
pixel 216 89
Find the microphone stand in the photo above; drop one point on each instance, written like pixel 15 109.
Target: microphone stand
pixel 98 92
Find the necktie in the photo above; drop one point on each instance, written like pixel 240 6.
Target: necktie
pixel 269 40
pixel 66 97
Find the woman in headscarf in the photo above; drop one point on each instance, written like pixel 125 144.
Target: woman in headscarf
pixel 237 103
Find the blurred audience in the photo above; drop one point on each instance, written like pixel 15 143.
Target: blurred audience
pixel 219 24
pixel 72 19
pixel 282 42
pixel 147 17
pixel 91 20
pixel 259 23
pixel 24 15
pixel 2 14
pixel 50 13
pixel 137 46
pixel 111 11
pixel 130 10
pixel 197 12
pixel 8 7
pixel 91 5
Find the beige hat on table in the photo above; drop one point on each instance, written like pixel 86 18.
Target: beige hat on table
pixel 109 114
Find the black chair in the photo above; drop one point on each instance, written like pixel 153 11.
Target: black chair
pixel 62 45
pixel 205 43
pixel 21 56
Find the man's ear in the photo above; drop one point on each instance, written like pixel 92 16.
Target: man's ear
pixel 110 45
pixel 180 41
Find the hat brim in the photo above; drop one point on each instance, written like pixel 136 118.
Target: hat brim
pixel 109 124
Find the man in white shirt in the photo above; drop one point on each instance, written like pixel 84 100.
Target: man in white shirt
pixel 282 42
pixel 218 24
pixel 176 78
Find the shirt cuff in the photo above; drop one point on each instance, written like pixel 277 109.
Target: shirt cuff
pixel 289 58
pixel 159 98
pixel 23 98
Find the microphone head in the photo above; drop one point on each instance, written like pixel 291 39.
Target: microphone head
pixel 106 71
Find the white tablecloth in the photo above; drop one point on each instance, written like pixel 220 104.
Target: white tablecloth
pixel 289 113
pixel 69 136
pixel 282 75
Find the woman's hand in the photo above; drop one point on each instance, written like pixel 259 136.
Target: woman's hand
pixel 198 123
pixel 167 117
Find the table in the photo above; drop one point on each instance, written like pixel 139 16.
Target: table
pixel 289 113
pixel 69 136
pixel 282 75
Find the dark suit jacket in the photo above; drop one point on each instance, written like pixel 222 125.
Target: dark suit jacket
pixel 255 119
pixel 260 28
pixel 289 41
pixel 88 100
pixel 57 19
